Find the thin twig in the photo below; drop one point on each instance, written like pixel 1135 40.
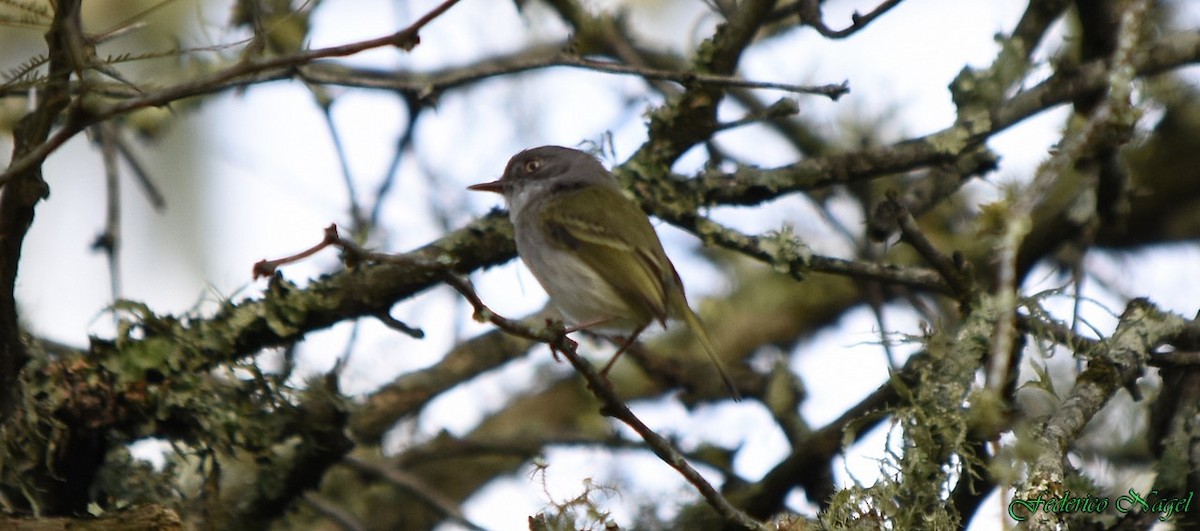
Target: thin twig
pixel 266 268
pixel 141 176
pixel 428 84
pixel 555 336
pixel 832 91
pixel 400 326
pixel 403 145
pixel 240 73
pixel 949 268
pixel 810 14
pixel 109 241
pixel 782 108
pixel 414 486
pixel 325 103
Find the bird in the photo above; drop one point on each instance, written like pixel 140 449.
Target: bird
pixel 593 249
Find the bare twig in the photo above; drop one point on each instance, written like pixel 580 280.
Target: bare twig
pixel 415 486
pixel 555 336
pixel 266 268
pixel 240 73
pixel 324 101
pixel 109 241
pixel 810 14
pixel 539 58
pixel 141 176
pixel 400 326
pixel 403 145
pixel 952 269
pixel 832 91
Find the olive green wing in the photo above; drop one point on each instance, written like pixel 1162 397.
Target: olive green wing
pixel 614 237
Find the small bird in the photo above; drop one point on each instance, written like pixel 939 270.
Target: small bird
pixel 593 249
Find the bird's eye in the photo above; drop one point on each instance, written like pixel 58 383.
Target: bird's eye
pixel 532 165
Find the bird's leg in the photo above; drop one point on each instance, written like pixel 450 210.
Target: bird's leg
pixel 553 351
pixel 588 324
pixel 624 346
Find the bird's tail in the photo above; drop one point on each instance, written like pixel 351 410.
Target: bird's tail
pixel 694 323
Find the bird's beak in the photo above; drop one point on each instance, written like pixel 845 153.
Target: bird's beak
pixel 494 187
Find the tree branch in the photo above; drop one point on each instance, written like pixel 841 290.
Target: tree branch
pixel 1115 365
pixel 556 338
pixel 241 73
pixel 26 189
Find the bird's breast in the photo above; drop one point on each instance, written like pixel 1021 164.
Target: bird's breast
pixel 578 291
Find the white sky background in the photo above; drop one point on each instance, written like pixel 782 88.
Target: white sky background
pixel 255 176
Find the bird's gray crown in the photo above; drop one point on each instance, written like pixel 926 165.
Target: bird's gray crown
pixel 555 166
